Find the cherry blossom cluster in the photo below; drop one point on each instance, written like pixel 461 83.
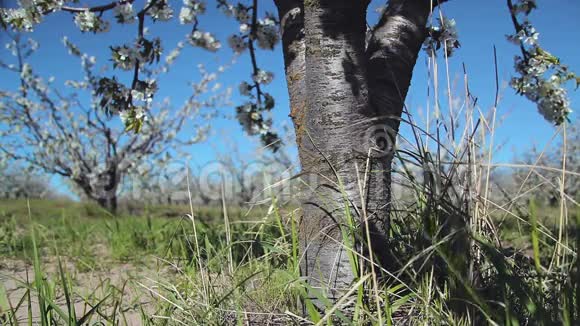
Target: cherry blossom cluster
pixel 172 56
pixel 526 35
pixel 237 43
pixel 264 31
pixel 88 21
pixel 189 15
pixel 71 47
pixel 130 103
pixel 541 77
pixel 129 116
pixel 251 120
pixel 523 7
pixel 250 113
pixel 22 19
pixel 159 10
pixel 240 11
pixel 144 91
pixel 444 34
pixel 124 13
pixel 204 40
pixel 263 77
pixel 126 57
pixel 114 96
pixel 190 10
pixel 29 13
pixel 267 33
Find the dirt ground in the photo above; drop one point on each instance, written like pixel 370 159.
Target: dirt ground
pixel 130 280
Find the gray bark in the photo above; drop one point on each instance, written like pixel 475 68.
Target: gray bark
pixel 109 203
pixel 346 101
pixel 104 191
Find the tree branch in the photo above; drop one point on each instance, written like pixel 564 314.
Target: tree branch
pixel 391 55
pixel 517 26
pixel 291 16
pixel 101 9
pixel 252 50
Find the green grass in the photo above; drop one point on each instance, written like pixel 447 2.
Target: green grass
pixel 64 265
pixel 85 230
pixel 72 233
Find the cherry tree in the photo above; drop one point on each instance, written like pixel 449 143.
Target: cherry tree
pixel 545 182
pixel 347 80
pixel 19 183
pixel 56 131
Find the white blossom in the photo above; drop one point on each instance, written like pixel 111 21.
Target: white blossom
pixel 186 15
pixel 228 10
pixel 526 35
pixel 244 28
pixel 263 77
pixel 267 34
pixel 547 93
pixel 190 10
pixel 196 5
pixel 160 11
pixel 144 91
pixel 247 123
pixel 140 113
pixel 21 18
pixel 71 47
pixel 240 13
pixel 88 61
pixel 32 44
pixel 245 88
pixel 173 55
pixel 524 6
pixel 124 13
pixel 89 22
pixel 553 102
pixel 237 43
pixel 26 72
pixel 444 35
pixel 204 40
pixel 124 115
pixel 124 57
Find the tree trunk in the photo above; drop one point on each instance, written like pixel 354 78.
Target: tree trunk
pixel 109 203
pixel 346 100
pixel 104 190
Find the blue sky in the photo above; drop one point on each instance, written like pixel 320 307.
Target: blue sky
pixel 481 25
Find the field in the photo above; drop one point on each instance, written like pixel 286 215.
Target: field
pixel 72 263
pixel 141 269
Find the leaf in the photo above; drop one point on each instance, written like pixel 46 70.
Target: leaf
pixel 83 319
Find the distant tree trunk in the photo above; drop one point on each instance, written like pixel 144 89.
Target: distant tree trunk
pixel 347 93
pixel 103 190
pixel 109 203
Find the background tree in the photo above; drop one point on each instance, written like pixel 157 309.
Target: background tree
pixel 541 177
pixel 57 132
pixel 252 174
pixel 19 183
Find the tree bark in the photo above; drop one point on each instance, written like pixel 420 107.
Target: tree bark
pixel 346 101
pixel 104 190
pixel 109 203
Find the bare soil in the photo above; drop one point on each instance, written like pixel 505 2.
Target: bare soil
pixel 127 282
